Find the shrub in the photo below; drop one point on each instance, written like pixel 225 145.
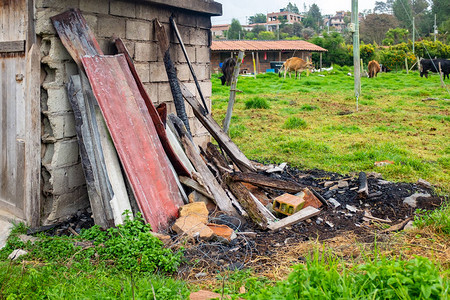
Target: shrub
pixel 257 103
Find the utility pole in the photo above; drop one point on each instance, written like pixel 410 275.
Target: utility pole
pixel 435 28
pixel 354 28
pixel 414 35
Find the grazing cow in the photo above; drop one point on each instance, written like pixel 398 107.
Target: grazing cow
pixel 294 64
pixel 227 70
pixel 384 69
pixel 433 66
pixel 374 68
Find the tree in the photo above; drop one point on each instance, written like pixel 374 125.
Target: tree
pixel 383 7
pixel 442 10
pixel 374 27
pixel 337 51
pixel 292 8
pixel 398 35
pixel 405 10
pixel 258 28
pixel 313 17
pixel 266 35
pixel 297 29
pixel 235 32
pixel 258 18
pixel 307 33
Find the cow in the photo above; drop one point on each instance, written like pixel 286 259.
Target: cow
pixel 227 70
pixel 384 69
pixel 294 64
pixel 433 66
pixel 374 68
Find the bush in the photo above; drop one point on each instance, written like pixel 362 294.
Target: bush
pixel 395 59
pixel 257 103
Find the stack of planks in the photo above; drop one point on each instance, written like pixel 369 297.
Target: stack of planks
pixel 151 152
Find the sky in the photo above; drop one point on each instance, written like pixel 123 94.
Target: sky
pixel 242 9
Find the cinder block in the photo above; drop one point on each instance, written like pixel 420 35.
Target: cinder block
pixel 138 30
pixel 206 87
pixel 152 91
pixel 164 94
pixel 158 72
pixel 57 100
pixel 108 26
pixel 202 140
pixel 143 70
pixel 98 6
pixel 107 45
pixel 66 205
pixel 62 126
pixel 147 11
pixel 92 22
pixel 199 37
pixel 130 47
pixel 122 8
pixel 65 153
pixel 202 55
pixel 70 68
pixel 171 108
pixel 183 72
pixel 196 127
pixel 187 19
pixel 57 3
pixel 75 176
pixel 145 52
pixel 44 25
pixel 190 51
pixel 203 21
pixel 185 33
pixel 57 51
pixel 202 71
pixel 288 204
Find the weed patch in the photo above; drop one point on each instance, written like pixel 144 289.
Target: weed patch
pixel 294 123
pixel 257 103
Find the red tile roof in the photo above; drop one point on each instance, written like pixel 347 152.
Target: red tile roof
pixel 249 45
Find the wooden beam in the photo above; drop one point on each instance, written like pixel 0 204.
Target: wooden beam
pixel 243 163
pixel 299 216
pixel 266 181
pixel 234 80
pixel 12 46
pixel 33 137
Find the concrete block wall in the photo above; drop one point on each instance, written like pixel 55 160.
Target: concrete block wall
pixel 63 181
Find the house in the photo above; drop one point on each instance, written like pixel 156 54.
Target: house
pixel 274 19
pixel 264 52
pixel 42 180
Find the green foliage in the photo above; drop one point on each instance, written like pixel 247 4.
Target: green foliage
pixel 395 59
pixel 367 52
pixel 258 18
pixel 235 32
pixel 438 219
pixel 257 103
pixel 237 131
pixel 266 35
pixel 325 277
pixel 129 247
pixel 337 50
pixel 132 247
pixel 398 35
pixel 307 107
pixel 294 123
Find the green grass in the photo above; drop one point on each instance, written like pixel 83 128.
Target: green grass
pixel 257 103
pixel 392 123
pixel 294 123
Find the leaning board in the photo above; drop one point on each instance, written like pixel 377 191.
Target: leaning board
pixel 135 138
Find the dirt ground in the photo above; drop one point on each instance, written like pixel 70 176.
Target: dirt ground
pixel 346 232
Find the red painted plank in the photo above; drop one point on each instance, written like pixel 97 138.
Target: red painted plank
pixel 135 138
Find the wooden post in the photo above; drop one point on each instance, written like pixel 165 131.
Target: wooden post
pixel 226 122
pixel 440 75
pixel 307 68
pixel 418 63
pixel 320 61
pixel 406 65
pixel 356 55
pixel 279 56
pixel 362 67
pixel 254 65
pixel 258 67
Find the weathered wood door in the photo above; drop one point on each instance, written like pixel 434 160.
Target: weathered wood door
pixel 19 119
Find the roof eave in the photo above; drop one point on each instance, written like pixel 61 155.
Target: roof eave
pixel 208 7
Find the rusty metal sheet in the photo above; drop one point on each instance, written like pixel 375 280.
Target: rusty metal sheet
pixel 76 35
pixel 135 138
pixel 160 128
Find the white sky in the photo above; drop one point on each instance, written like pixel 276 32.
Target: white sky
pixel 242 9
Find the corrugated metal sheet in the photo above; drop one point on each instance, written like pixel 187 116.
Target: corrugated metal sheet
pixel 265 46
pixel 135 138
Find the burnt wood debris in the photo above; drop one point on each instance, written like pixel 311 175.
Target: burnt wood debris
pixel 153 166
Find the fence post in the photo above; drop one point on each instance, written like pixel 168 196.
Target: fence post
pixel 226 121
pixel 406 65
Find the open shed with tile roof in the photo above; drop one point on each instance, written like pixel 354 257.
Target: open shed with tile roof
pixel 264 52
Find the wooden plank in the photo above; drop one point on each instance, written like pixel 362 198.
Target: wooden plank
pixel 119 202
pixel 191 183
pixel 266 181
pixel 33 137
pixel 141 152
pixel 234 80
pixel 12 46
pixel 159 125
pixel 219 135
pixel 176 146
pixel 299 216
pixel 214 188
pixel 164 45
pixel 75 35
pixel 363 191
pixel 87 150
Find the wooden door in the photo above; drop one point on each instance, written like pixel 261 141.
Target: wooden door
pixel 18 97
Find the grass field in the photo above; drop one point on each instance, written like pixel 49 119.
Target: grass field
pixel 303 122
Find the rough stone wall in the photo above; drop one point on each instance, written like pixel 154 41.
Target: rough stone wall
pixel 64 186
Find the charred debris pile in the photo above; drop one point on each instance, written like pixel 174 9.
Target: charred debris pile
pixel 136 157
